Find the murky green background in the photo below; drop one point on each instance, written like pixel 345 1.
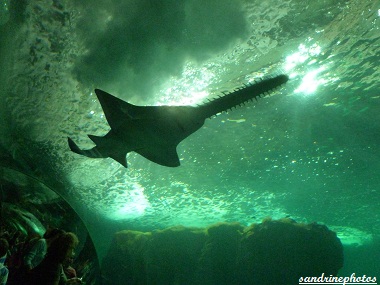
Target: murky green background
pixel 311 151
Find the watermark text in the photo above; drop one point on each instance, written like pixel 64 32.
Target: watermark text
pixel 338 280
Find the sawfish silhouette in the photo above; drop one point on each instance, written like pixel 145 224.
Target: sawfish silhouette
pixel 155 131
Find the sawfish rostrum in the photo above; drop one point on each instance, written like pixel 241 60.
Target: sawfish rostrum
pixel 155 131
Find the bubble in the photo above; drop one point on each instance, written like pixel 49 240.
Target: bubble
pixel 4 11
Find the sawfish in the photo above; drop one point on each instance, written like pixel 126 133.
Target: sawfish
pixel 155 131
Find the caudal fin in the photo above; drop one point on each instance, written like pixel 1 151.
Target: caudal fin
pixel 96 139
pixel 73 146
pixel 120 157
pixel 93 152
pixel 96 152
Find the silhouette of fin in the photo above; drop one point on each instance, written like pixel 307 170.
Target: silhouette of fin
pixel 166 156
pixel 115 109
pixel 96 139
pixel 73 146
pixel 121 158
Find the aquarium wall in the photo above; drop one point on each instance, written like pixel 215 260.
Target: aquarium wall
pixel 29 208
pixel 305 150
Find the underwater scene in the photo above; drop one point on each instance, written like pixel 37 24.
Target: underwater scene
pixel 193 141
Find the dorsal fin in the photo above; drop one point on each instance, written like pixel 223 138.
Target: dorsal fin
pixel 115 109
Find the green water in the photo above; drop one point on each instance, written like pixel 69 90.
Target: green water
pixel 310 152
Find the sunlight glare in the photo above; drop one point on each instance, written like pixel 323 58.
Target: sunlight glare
pixel 132 204
pixel 189 89
pixel 309 82
pixel 295 65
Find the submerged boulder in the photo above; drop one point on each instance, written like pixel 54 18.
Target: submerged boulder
pixel 272 252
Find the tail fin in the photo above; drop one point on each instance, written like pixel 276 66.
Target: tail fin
pixel 95 139
pixel 93 152
pixel 96 152
pixel 121 158
pixel 73 146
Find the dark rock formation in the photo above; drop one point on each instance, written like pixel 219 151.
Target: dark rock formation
pixel 273 252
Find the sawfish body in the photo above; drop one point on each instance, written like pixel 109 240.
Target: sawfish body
pixel 155 131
